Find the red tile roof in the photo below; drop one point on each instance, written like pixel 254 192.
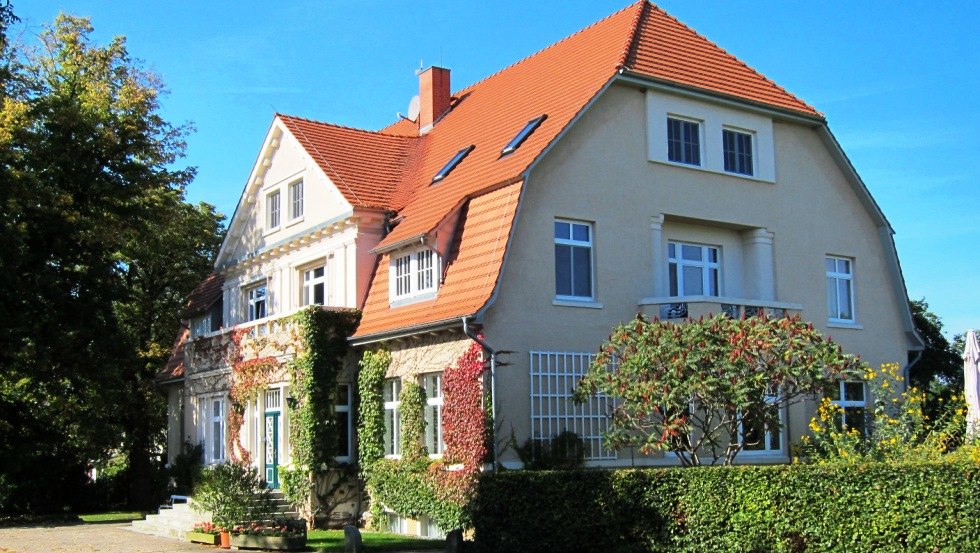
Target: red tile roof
pixel 175 364
pixel 202 297
pixel 471 269
pixel 393 168
pixel 365 166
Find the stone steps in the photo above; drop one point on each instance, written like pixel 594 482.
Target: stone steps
pixel 177 520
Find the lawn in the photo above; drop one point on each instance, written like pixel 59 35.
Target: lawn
pixel 333 540
pixel 112 516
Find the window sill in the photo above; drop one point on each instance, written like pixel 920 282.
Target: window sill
pixel 270 231
pixel 294 221
pixel 753 178
pixel 845 324
pixel 408 300
pixel 394 457
pixel 590 304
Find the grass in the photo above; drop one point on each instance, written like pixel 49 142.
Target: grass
pixel 333 540
pixel 112 516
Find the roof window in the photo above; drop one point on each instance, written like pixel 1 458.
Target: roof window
pixel 444 172
pixel 516 142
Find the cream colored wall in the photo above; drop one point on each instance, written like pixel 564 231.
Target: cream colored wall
pixel 599 172
pixel 281 166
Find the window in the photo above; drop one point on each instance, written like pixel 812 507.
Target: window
pixel 272 210
pixel 840 289
pixel 737 147
pixel 211 427
pixel 392 388
pixel 257 298
pixel 342 405
pixel 315 286
pixel 683 141
pixel 296 199
pixel 200 325
pixel 553 377
pixel 414 274
pixel 432 383
pixel 573 260
pixel 522 136
pixel 693 269
pixel 758 436
pixel 849 396
pixel 444 172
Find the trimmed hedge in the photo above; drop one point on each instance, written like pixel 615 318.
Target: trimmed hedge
pixel 876 507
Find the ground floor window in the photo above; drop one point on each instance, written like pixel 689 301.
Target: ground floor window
pixel 432 384
pixel 849 396
pixel 342 411
pixel 554 376
pixel 392 388
pixel 759 437
pixel 212 425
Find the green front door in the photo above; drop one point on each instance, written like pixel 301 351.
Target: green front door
pixel 272 449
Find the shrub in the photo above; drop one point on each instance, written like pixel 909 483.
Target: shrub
pixel 234 494
pixel 842 507
pixel 565 451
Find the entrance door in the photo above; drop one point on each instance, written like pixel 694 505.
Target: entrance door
pixel 272 449
pixel 273 409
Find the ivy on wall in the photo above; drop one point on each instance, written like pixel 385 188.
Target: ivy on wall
pixel 415 486
pixel 248 376
pixel 314 435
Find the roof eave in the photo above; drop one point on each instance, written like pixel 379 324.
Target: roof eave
pixel 719 97
pixel 406 331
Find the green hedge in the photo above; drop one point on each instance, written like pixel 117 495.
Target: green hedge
pixel 877 507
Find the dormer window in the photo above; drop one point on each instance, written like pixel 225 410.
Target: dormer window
pixel 522 136
pixel 414 275
pixel 444 172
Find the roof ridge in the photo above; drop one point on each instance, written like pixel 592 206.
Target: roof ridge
pixel 631 38
pixel 546 48
pixel 339 126
pixel 733 57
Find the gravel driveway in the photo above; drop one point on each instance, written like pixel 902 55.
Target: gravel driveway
pixel 105 538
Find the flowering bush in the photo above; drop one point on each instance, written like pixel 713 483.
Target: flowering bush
pixel 897 429
pixel 207 528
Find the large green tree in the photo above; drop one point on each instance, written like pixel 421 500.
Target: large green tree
pixel 93 211
pixel 938 371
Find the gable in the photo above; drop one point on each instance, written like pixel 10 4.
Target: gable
pixel 283 168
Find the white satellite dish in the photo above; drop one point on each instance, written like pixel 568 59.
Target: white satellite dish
pixel 413 108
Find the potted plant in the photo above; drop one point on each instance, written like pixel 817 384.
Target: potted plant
pixel 278 536
pixel 204 532
pixel 234 494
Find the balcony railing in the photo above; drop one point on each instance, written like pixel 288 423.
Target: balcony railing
pixel 682 307
pixel 273 336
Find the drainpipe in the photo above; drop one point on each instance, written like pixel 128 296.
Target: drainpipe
pixel 493 385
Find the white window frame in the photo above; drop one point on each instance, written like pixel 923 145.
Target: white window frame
pixel 836 276
pixel 752 147
pixel 393 405
pixel 845 404
pixel 700 134
pixel 677 263
pixel 345 391
pixel 205 428
pixel 414 275
pixel 252 301
pixel 296 199
pixel 273 210
pixel 309 282
pixel 769 433
pixel 573 243
pixel 433 404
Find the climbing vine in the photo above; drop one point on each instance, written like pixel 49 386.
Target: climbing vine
pixel 414 486
pixel 247 378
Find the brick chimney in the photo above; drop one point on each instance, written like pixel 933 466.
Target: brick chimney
pixel 434 96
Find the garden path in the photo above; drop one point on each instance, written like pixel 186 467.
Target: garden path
pixel 101 538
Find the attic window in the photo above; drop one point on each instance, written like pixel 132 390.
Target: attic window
pixel 444 172
pixel 516 142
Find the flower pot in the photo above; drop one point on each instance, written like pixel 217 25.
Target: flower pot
pixel 202 537
pixel 276 543
pixel 225 539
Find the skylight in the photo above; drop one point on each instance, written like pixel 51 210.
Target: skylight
pixel 522 136
pixel 452 163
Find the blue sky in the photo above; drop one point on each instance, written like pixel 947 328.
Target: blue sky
pixel 898 82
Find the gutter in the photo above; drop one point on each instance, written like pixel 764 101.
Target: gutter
pixel 403 332
pixel 493 384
